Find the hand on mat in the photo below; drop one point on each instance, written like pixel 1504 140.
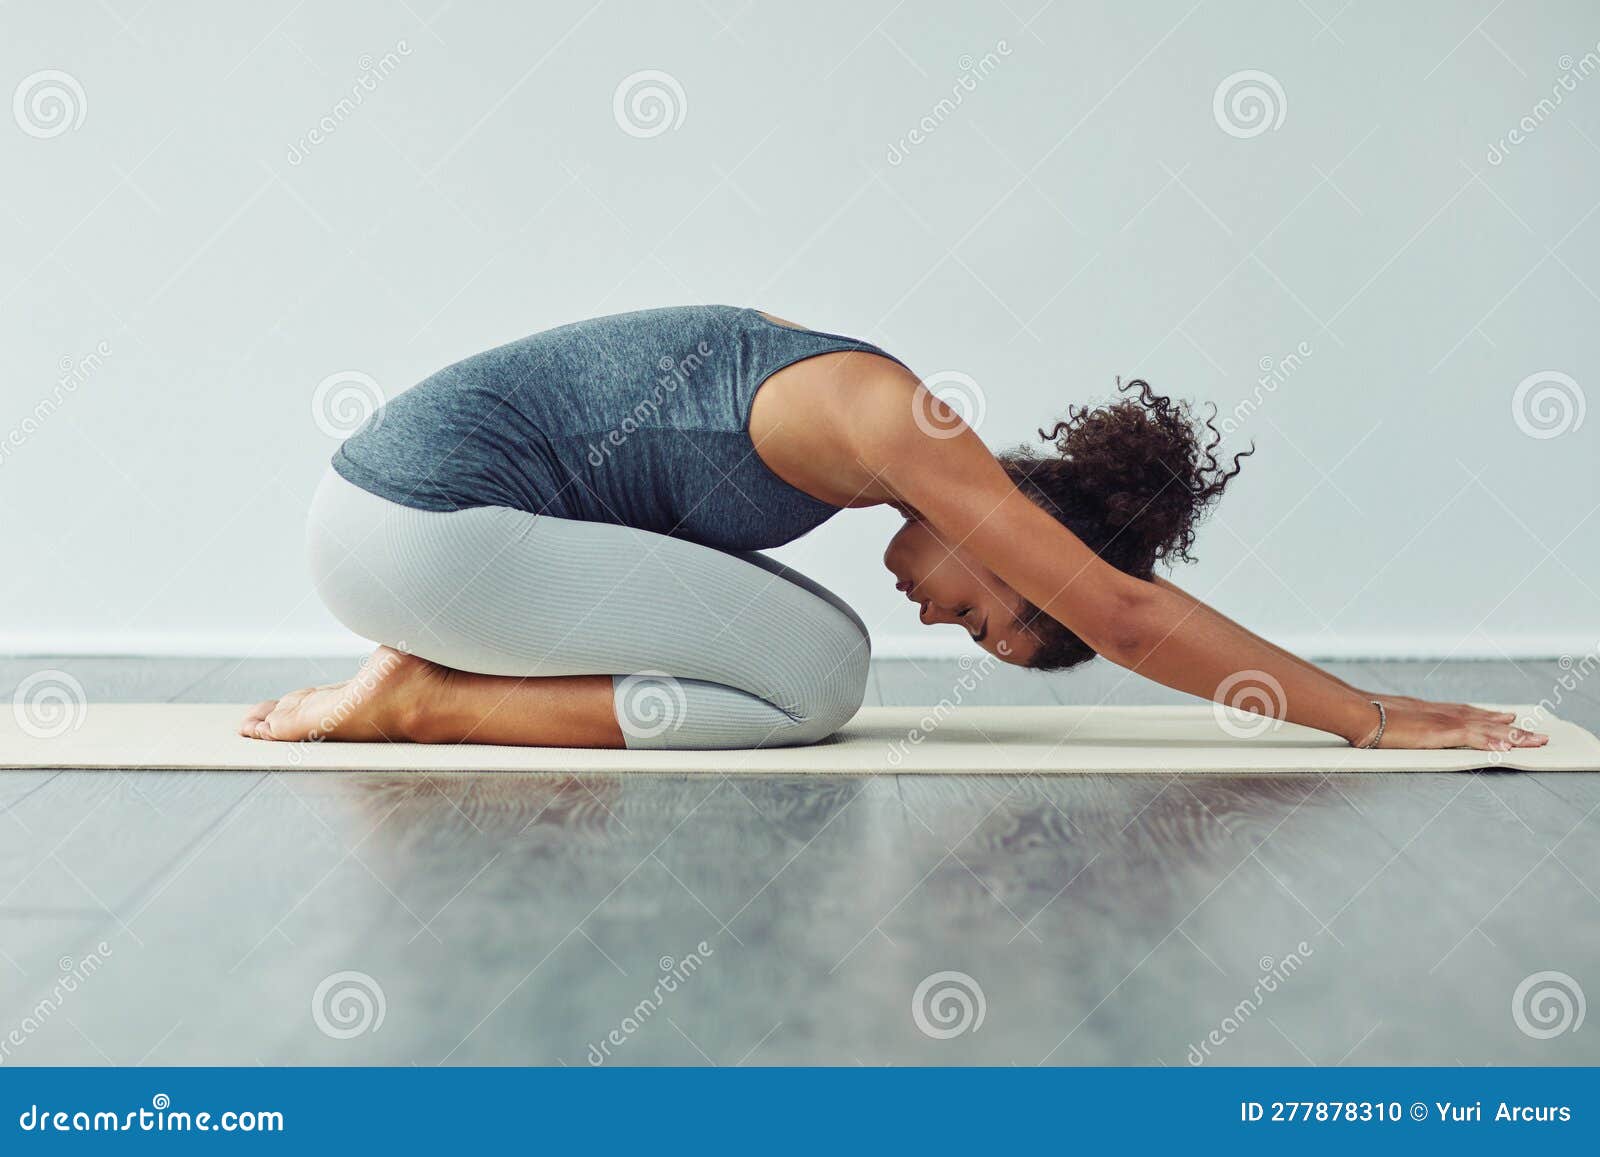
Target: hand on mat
pixel 1420 723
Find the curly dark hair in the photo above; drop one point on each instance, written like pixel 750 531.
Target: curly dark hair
pixel 1132 479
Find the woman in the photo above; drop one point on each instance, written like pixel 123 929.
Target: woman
pixel 553 542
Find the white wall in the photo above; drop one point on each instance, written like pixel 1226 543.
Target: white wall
pixel 1082 214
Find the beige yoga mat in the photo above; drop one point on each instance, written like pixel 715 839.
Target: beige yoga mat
pixel 972 740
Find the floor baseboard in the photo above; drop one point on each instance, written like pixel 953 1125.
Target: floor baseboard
pixel 932 645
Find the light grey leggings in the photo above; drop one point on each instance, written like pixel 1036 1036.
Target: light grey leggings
pixel 705 649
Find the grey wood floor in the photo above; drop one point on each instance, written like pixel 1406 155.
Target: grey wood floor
pixel 522 918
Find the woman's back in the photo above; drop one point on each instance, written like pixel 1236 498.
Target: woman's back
pixel 638 419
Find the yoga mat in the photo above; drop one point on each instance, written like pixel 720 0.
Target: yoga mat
pixel 971 740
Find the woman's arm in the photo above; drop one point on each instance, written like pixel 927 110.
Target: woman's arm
pixel 1286 656
pixel 1290 657
pixel 1154 629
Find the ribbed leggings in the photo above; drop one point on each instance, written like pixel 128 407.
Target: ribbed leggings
pixel 705 649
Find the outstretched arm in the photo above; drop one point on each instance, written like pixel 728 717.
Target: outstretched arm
pixel 1149 627
pixel 1406 710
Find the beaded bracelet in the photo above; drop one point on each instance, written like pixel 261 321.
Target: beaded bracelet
pixel 1383 721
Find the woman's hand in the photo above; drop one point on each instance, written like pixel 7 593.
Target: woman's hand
pixel 1418 723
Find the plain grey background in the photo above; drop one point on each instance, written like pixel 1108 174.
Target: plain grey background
pixel 1082 212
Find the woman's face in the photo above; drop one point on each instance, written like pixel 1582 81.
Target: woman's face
pixel 952 586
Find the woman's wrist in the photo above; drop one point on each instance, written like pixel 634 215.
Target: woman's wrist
pixel 1374 738
pixel 1360 720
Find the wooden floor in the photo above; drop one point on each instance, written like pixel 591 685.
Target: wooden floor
pixel 522 918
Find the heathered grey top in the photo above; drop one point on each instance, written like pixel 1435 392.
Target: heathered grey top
pixel 639 419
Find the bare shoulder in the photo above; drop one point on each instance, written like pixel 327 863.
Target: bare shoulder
pixel 820 423
pixel 892 410
pixel 835 392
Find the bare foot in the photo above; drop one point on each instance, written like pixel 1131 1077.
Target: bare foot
pixel 381 703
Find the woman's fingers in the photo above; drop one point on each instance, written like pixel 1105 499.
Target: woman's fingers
pixel 1507 738
pixel 253 717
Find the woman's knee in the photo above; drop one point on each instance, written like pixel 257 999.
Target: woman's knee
pixel 832 693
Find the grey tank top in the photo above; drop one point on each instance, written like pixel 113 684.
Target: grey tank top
pixel 638 419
